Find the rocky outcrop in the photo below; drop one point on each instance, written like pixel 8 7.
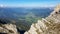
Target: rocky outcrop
pixel 49 25
pixel 8 29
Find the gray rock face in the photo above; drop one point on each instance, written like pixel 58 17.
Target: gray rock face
pixel 8 29
pixel 49 25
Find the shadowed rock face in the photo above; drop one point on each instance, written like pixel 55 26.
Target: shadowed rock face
pixel 6 28
pixel 3 33
pixel 49 25
pixel 20 31
pixel 2 22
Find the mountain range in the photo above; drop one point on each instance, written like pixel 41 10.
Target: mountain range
pixel 24 17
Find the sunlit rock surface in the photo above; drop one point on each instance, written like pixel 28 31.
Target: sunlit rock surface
pixel 8 29
pixel 49 25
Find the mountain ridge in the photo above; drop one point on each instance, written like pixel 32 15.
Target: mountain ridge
pixel 48 25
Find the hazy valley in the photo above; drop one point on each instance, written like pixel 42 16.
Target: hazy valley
pixel 23 17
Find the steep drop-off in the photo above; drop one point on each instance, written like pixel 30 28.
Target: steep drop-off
pixel 49 25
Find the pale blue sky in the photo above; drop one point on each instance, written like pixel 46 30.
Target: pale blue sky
pixel 29 3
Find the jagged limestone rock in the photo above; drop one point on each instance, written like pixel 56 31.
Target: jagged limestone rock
pixel 8 29
pixel 49 25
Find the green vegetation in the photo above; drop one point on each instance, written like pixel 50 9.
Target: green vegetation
pixel 26 21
